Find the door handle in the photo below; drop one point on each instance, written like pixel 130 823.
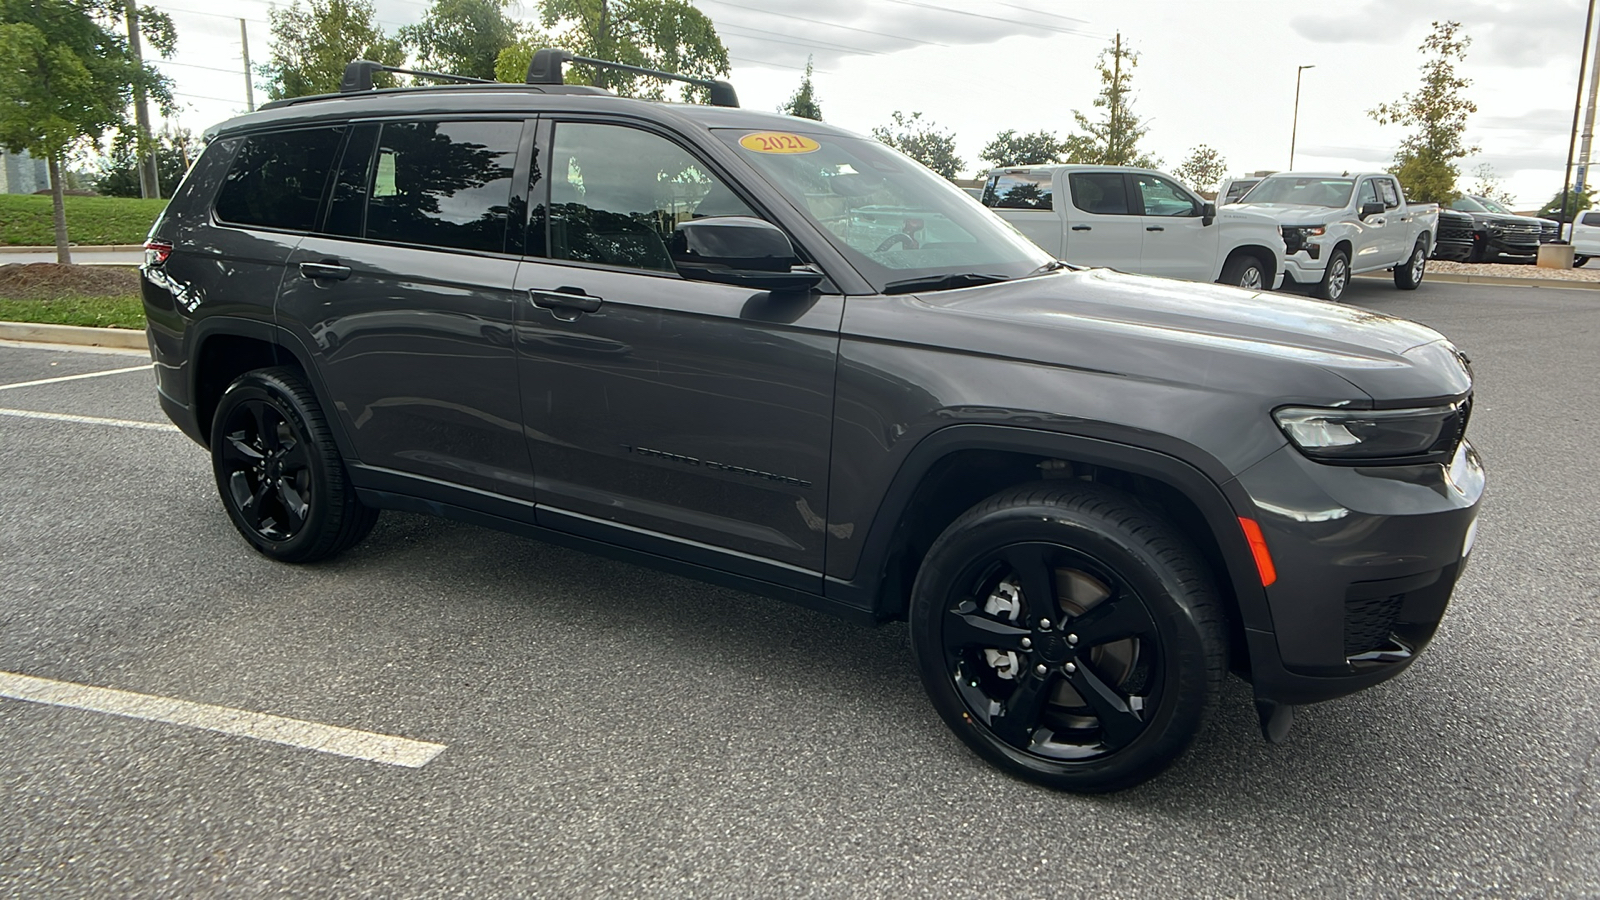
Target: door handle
pixel 1155 228
pixel 1082 228
pixel 320 270
pixel 564 298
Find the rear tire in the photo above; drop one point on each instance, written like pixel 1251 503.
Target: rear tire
pixel 1578 261
pixel 1335 278
pixel 1246 271
pixel 1409 274
pixel 279 472
pixel 1096 687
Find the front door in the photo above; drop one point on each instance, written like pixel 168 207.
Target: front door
pixel 683 416
pixel 1177 242
pixel 1103 224
pixel 406 300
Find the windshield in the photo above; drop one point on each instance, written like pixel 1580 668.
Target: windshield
pixel 1467 204
pixel 891 217
pixel 1494 207
pixel 1331 192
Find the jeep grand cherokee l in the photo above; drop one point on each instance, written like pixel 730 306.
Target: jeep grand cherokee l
pixel 771 354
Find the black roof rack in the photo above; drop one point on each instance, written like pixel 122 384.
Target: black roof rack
pixel 545 68
pixel 358 75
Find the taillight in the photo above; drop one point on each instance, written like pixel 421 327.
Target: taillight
pixel 156 252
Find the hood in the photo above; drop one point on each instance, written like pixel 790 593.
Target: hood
pixel 1291 213
pixel 1239 214
pixel 1271 345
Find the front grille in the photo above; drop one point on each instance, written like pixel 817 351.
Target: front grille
pixel 1368 622
pixel 1549 231
pixel 1464 235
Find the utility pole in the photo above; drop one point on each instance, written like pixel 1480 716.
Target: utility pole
pixel 249 86
pixel 1588 131
pixel 149 179
pixel 1294 130
pixel 602 45
pixel 1577 106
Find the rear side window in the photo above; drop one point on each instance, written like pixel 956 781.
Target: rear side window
pixel 276 180
pixel 1591 218
pixel 443 184
pixel 1018 190
pixel 1102 193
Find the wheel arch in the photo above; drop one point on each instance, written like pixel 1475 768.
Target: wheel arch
pixel 1261 252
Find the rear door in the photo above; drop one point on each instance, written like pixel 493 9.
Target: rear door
pixel 1026 199
pixel 1104 225
pixel 1397 229
pixel 1177 242
pixel 405 297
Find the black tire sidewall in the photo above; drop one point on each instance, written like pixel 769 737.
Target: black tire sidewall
pixel 1188 686
pixel 271 387
pixel 1236 268
pixel 1402 275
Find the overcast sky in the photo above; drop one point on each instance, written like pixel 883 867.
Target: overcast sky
pixel 1217 72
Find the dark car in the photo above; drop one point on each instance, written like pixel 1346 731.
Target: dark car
pixel 1457 239
pixel 1501 235
pixel 771 354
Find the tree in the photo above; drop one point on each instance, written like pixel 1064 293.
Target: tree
pixel 669 35
pixel 311 45
pixel 1202 169
pixel 461 37
pixel 923 141
pixel 1113 139
pixel 1437 113
pixel 803 102
pixel 1577 202
pixel 1011 149
pixel 66 75
pixel 118 174
pixel 1487 184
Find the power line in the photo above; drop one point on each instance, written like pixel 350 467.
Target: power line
pixel 898 37
pixel 820 45
pixel 173 62
pixel 961 12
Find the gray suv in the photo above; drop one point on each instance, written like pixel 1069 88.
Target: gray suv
pixel 774 355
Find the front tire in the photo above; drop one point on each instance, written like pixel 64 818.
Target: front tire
pixel 1579 261
pixel 1246 271
pixel 1068 636
pixel 279 472
pixel 1335 278
pixel 1408 275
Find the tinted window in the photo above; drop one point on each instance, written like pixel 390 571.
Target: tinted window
pixel 1391 194
pixel 617 193
pixel 1018 191
pixel 347 206
pixel 1163 198
pixel 1591 218
pixel 277 179
pixel 1467 204
pixel 443 184
pixel 1105 193
pixel 1238 189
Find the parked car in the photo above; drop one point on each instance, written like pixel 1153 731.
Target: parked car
pixel 1339 225
pixel 1584 233
pixel 1549 229
pixel 1136 220
pixel 1498 235
pixel 1457 237
pixel 685 336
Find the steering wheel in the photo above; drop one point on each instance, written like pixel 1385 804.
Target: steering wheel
pixel 899 237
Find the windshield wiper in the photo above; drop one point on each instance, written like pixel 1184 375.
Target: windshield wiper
pixel 941 282
pixel 1054 265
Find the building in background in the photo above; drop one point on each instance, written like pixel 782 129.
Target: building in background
pixel 22 174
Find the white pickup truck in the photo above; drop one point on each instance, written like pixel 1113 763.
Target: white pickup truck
pixel 1339 225
pixel 1136 220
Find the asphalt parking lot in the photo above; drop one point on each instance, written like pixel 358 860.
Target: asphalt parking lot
pixel 607 730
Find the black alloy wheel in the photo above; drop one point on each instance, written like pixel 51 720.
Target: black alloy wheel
pixel 279 472
pixel 1068 636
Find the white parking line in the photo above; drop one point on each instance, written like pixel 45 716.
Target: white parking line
pixel 367 745
pixel 23 384
pixel 87 420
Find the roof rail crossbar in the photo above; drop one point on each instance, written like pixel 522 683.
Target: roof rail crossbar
pixel 545 68
pixel 358 75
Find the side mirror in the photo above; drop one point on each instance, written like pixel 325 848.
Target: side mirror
pixel 739 250
pixel 1372 209
pixel 1208 213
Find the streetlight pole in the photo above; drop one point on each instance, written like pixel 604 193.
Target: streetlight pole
pixel 1295 130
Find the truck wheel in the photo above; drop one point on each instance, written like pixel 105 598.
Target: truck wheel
pixel 279 472
pixel 1578 261
pixel 1068 636
pixel 1246 271
pixel 1409 275
pixel 1335 278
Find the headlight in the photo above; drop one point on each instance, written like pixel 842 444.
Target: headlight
pixel 1370 436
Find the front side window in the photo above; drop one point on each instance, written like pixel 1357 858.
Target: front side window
pixel 440 184
pixel 617 193
pixel 1163 198
pixel 1391 194
pixel 276 180
pixel 1238 189
pixel 1102 193
pixel 1369 192
pixel 1018 190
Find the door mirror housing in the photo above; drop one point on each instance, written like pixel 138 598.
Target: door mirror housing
pixel 1208 213
pixel 739 250
pixel 1372 209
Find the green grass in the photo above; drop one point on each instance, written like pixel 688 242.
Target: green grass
pixel 26 220
pixel 99 312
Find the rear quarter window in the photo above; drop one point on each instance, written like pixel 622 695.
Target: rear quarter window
pixel 277 179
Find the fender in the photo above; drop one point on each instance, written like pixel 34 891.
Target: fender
pixel 1206 484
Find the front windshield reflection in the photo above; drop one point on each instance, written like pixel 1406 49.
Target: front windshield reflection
pixel 891 217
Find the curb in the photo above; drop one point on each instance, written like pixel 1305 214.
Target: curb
pixel 95 248
pixel 1502 281
pixel 119 338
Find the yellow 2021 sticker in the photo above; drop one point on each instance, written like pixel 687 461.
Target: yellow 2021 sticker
pixel 778 142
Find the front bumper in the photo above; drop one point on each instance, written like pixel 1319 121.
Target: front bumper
pixel 1521 246
pixel 1458 251
pixel 1301 268
pixel 1366 559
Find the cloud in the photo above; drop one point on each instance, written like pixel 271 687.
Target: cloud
pixel 1505 32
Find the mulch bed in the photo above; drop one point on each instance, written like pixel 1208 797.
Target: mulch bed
pixel 53 281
